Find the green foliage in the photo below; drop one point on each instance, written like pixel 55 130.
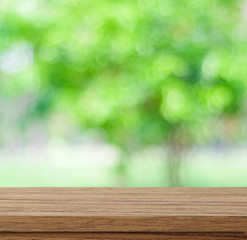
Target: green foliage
pixel 137 69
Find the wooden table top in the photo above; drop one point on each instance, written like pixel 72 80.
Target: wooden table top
pixel 123 209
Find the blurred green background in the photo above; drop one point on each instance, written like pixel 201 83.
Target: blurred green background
pixel 134 93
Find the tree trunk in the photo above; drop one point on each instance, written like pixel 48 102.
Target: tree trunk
pixel 178 144
pixel 121 168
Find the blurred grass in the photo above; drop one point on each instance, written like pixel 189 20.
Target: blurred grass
pixel 139 173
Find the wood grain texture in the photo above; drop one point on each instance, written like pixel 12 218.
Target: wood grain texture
pixel 123 210
pixel 121 236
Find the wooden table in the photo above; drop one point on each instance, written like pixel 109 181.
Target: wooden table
pixel 123 213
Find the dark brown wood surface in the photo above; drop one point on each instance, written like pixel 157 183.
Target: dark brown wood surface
pixel 121 236
pixel 126 210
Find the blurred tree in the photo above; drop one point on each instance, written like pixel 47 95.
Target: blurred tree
pixel 147 72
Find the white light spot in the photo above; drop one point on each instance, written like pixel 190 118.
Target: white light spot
pixel 17 58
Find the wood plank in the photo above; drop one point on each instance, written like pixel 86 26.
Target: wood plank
pixel 123 209
pixel 121 236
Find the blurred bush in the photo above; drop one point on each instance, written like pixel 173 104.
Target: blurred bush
pixel 145 72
